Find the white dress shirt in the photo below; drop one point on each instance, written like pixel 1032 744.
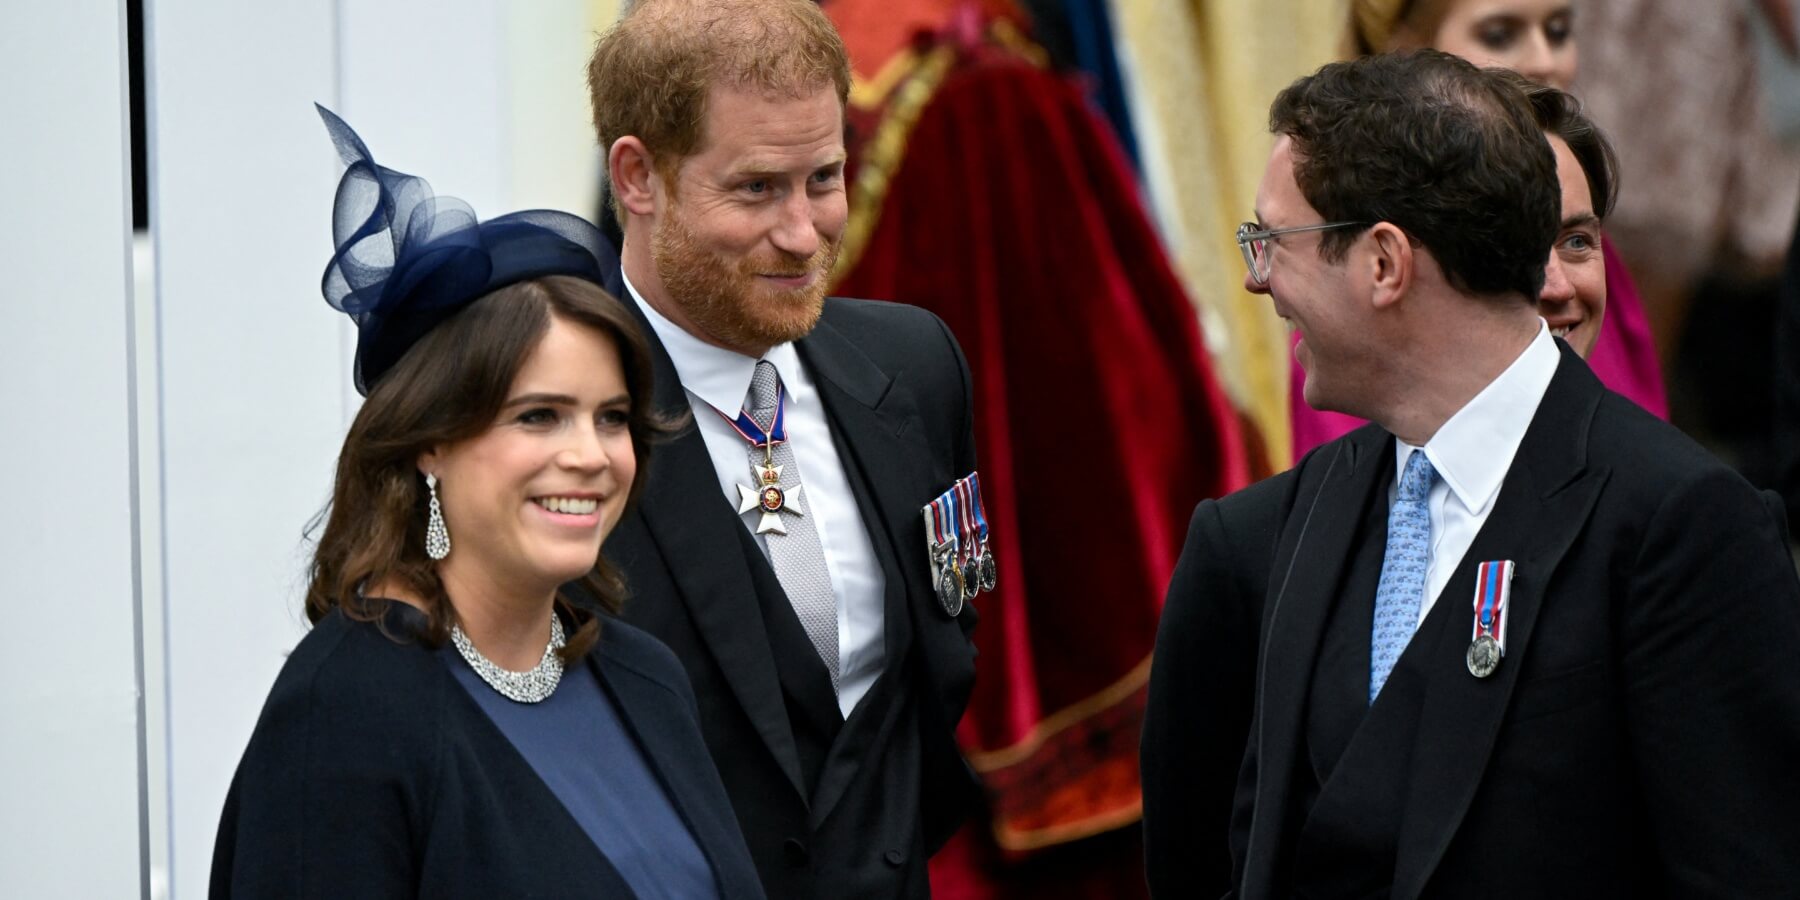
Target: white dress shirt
pixel 1472 453
pixel 716 381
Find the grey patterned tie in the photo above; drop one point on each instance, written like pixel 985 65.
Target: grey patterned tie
pixel 796 554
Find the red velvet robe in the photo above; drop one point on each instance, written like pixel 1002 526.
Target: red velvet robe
pixel 1013 215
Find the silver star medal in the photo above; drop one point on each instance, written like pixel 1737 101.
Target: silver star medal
pixel 771 499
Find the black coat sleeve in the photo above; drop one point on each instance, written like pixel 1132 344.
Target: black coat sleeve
pixel 1712 693
pixel 952 787
pixel 1202 690
pixel 325 803
pixel 965 462
pixel 1786 382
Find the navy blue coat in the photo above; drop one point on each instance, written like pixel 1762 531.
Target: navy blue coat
pixel 372 773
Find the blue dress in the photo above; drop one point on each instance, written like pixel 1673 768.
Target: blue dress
pixel 576 742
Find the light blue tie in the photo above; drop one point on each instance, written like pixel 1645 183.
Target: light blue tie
pixel 1402 586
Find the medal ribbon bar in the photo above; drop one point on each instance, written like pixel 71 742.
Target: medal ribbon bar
pixel 747 428
pixel 1493 588
pixel 981 526
pixel 965 521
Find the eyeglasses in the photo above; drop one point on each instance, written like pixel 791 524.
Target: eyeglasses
pixel 1254 241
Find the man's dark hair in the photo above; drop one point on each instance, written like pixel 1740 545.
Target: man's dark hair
pixel 1448 152
pixel 1559 113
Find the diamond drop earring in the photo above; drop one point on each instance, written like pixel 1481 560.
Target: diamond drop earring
pixel 437 537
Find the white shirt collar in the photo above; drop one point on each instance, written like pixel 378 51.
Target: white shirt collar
pixel 719 377
pixel 1474 449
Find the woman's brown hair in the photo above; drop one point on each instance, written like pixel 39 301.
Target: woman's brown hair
pixel 449 387
pixel 1378 26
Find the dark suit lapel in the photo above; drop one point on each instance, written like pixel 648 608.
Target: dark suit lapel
pixel 1316 545
pixel 878 437
pixel 875 429
pixel 691 522
pixel 1543 505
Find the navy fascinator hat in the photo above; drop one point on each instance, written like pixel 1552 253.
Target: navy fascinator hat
pixel 406 259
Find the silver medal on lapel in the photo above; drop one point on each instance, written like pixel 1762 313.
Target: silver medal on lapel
pixel 963 504
pixel 1483 656
pixel 948 584
pixel 941 551
pixel 987 573
pixel 1493 590
pixel 956 536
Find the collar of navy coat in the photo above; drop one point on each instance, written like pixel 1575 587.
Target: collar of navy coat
pixel 644 689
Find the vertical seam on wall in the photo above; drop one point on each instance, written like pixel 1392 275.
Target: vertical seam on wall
pixel 139 683
pixel 151 160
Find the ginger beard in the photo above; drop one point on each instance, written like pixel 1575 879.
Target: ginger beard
pixel 730 300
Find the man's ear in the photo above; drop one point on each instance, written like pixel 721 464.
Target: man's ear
pixel 1392 264
pixel 632 172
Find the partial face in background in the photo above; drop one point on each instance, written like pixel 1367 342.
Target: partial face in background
pixel 1574 297
pixel 1532 37
pixel 529 501
pixel 746 243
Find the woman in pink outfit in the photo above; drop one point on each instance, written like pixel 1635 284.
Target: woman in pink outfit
pixel 1534 38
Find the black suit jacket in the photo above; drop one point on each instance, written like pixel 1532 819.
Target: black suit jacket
pixel 830 808
pixel 1635 740
pixel 1786 382
pixel 373 774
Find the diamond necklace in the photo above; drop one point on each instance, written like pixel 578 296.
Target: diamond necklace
pixel 531 686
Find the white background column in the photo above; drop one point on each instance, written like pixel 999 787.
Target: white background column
pixel 72 819
pixel 252 367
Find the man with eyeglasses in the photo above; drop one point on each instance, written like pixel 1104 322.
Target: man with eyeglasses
pixel 1516 637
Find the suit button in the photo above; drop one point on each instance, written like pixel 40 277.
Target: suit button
pixel 894 858
pixel 795 852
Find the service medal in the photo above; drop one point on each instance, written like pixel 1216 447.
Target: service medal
pixel 767 493
pixel 962 505
pixel 1487 642
pixel 950 589
pixel 1483 656
pixel 987 571
pixel 771 499
pixel 941 552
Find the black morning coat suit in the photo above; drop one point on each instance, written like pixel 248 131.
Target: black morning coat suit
pixel 830 808
pixel 1638 739
pixel 373 774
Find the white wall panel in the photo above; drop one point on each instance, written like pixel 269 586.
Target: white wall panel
pixel 71 805
pixel 489 104
pixel 423 83
pixel 252 363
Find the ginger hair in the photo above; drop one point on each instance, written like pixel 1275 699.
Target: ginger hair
pixel 651 73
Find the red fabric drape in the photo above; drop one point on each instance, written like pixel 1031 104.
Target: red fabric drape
pixel 1015 218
